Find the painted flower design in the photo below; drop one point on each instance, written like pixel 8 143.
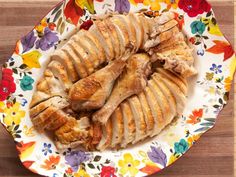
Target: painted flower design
pixel 81 173
pixel 13 115
pixel 227 84
pixel 75 158
pixel 122 6
pixel 195 117
pixel 216 68
pixel 200 52
pixel 46 148
pixel 179 19
pixel 172 4
pixel 154 4
pixel 128 165
pixel 198 27
pixel 156 155
pixel 28 41
pixel 26 83
pixel 192 139
pixel 73 12
pixel 7 85
pixel 51 163
pixel 194 7
pixel 108 171
pixel 181 146
pixel 47 41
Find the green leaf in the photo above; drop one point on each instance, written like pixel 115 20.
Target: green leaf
pixel 58 14
pixel 214 21
pixel 221 101
pixel 16 127
pixel 226 96
pixel 17 136
pixel 202 129
pixel 23 66
pixel 216 106
pixel 11 63
pixel 197 43
pixel 210 119
pixel 209 14
pixel 62 28
pixel 208 124
pixel 57 8
pixel 59 23
pixel 97 158
pixel 205 37
pixel 90 165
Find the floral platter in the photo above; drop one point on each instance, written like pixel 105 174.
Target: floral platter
pixel 215 62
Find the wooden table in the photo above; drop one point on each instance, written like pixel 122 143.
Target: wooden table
pixel 212 156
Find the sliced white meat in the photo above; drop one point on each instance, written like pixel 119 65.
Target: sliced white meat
pixel 106 137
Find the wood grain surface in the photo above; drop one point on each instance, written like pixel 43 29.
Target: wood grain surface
pixel 213 154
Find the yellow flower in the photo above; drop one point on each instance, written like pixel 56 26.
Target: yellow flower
pixel 212 90
pixel 155 4
pixel 192 139
pixel 129 164
pixel 13 114
pixel 172 159
pixel 228 81
pixel 31 59
pixel 2 106
pixel 28 131
pixel 213 28
pixel 86 3
pixel 42 25
pixel 81 173
pixel 171 3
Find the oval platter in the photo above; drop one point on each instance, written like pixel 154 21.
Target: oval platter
pixel 209 90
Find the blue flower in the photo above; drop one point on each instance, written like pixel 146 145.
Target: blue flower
pixel 216 69
pixel 26 83
pixel 23 102
pixel 47 41
pixel 47 148
pixel 75 158
pixel 156 155
pixel 200 52
pixel 198 27
pixel 181 146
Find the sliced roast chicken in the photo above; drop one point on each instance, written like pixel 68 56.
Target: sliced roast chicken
pixel 99 72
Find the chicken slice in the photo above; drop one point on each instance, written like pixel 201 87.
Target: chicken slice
pixel 54 84
pixel 92 91
pixel 79 45
pixel 149 118
pixel 156 111
pixel 114 38
pixel 140 123
pixel 78 64
pixel 65 60
pixel 38 97
pixel 102 27
pixel 56 101
pixel 118 127
pixel 88 47
pixel 177 80
pixel 42 85
pixel 166 91
pixel 57 119
pixel 129 124
pixel 132 81
pixel 123 35
pixel 139 31
pixel 97 46
pixel 176 91
pixel 131 32
pixel 60 72
pixel 106 140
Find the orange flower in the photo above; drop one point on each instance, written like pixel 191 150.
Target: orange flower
pixel 195 117
pixel 51 163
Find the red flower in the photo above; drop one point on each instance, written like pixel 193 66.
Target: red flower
pixel 108 171
pixel 52 26
pixel 180 20
pixel 73 12
pixel 86 25
pixel 7 85
pixel 194 7
pixel 192 40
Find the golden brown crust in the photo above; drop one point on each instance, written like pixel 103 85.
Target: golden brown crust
pixel 57 119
